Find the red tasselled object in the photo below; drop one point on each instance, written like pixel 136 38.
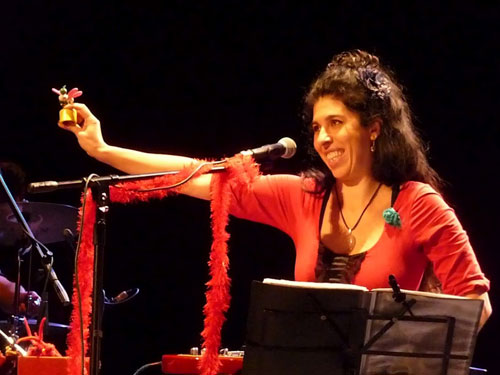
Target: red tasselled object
pixel 85 273
pixel 38 347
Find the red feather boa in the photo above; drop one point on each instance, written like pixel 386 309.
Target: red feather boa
pixel 85 269
pixel 240 170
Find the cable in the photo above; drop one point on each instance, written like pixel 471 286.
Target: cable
pixel 146 366
pixel 185 180
pixel 47 277
pixel 49 253
pixel 30 269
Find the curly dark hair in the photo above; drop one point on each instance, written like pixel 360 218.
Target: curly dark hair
pixel 15 178
pixel 359 80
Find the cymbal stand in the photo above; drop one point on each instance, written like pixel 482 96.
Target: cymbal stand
pixel 12 342
pixel 46 258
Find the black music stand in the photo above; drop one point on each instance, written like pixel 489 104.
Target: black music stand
pixel 301 330
pixel 428 334
pixel 297 331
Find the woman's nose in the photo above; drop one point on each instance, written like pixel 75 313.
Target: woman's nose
pixel 324 138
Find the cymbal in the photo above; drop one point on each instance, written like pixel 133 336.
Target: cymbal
pixel 46 220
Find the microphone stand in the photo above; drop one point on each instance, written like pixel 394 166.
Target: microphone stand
pixel 46 258
pixel 100 191
pixel 48 186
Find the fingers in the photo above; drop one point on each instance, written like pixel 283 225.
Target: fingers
pixel 72 128
pixel 81 109
pixel 33 294
pixel 83 115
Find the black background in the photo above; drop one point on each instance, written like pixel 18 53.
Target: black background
pixel 208 79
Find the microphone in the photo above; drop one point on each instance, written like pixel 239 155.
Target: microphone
pixel 59 289
pixel 48 186
pixel 70 238
pixel 122 296
pixel 285 148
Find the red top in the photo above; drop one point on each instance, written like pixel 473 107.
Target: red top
pixel 430 230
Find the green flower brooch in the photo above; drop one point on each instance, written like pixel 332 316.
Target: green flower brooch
pixel 391 217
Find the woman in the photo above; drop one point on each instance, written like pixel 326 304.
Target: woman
pixel 372 208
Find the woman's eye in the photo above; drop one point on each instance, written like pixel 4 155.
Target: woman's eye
pixel 315 128
pixel 335 122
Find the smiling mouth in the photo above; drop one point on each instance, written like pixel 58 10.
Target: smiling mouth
pixel 334 155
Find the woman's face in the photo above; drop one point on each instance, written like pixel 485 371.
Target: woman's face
pixel 341 141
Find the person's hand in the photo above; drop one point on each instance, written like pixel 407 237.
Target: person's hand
pixel 87 131
pixel 30 303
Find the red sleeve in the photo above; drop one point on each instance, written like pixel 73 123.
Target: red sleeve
pixel 270 199
pixel 443 240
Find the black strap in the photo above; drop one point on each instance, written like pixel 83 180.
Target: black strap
pixel 328 192
pixel 395 192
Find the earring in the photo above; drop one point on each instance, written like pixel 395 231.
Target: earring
pixel 372 146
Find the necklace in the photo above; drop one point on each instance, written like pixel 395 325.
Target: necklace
pixel 351 240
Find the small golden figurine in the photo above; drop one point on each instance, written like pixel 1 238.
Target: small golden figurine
pixel 67 117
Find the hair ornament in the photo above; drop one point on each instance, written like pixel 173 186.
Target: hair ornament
pixel 391 217
pixel 375 81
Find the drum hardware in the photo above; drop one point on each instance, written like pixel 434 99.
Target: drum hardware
pixel 46 219
pixel 11 341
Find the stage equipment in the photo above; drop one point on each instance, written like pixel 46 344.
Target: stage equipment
pixel 55 333
pixel 30 365
pixel 284 148
pixel 231 362
pixel 103 189
pixel 297 328
pixel 45 254
pixel 46 220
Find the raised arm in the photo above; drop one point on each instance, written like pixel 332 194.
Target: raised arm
pixel 90 138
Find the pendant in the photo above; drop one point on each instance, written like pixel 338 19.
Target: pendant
pixel 351 240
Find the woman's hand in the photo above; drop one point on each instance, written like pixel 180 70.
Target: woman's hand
pixel 87 131
pixel 487 310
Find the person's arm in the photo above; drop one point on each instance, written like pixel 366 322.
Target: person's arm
pixel 7 289
pixel 7 292
pixel 447 245
pixel 90 138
